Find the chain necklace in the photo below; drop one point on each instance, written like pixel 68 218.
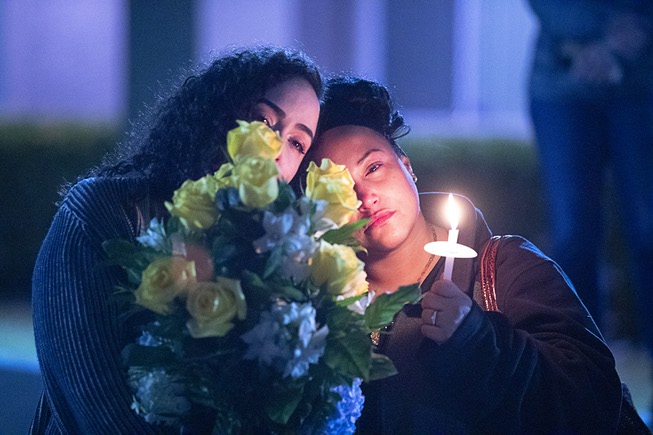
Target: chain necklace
pixel 375 335
pixel 434 238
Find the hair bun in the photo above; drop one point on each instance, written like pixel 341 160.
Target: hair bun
pixel 354 101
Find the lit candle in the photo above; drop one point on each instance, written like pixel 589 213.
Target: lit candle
pixel 454 218
pixel 451 248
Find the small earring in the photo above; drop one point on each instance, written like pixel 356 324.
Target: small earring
pixel 414 178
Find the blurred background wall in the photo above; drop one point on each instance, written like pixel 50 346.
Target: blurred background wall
pixel 457 64
pixel 73 73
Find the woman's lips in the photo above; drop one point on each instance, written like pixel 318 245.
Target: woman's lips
pixel 379 219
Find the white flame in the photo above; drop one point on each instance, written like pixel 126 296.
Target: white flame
pixel 453 212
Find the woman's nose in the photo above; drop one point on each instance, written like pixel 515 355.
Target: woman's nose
pixel 367 197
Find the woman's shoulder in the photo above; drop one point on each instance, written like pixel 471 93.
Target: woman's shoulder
pixel 101 202
pixel 96 191
pixel 513 246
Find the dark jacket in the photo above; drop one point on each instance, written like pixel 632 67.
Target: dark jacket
pixel 539 366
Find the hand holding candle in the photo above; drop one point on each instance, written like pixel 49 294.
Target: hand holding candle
pixel 451 248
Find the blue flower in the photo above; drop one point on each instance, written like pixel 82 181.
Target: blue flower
pixel 287 339
pixel 343 419
pixel 276 227
pixel 268 341
pixel 155 236
pixel 288 232
pixel 158 396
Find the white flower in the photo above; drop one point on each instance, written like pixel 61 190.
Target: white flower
pixel 149 340
pixel 288 232
pixel 158 396
pixel 316 210
pixel 276 227
pixel 307 353
pixel 301 224
pixel 287 339
pixel 155 236
pixel 297 252
pixel 360 305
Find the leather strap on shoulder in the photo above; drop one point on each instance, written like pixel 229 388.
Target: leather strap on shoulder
pixel 488 273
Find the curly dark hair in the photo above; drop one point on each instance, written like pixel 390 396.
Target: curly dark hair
pixel 185 136
pixel 350 100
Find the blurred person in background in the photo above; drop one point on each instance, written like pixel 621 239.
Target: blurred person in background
pixel 78 325
pixel 591 102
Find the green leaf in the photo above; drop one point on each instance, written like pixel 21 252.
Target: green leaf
pixel 230 254
pixel 147 356
pixel 344 233
pixel 382 367
pixel 257 292
pixel 349 354
pixel 285 199
pixel 274 261
pixel 173 225
pixel 385 306
pixel 120 252
pixel 282 405
pixel 349 301
pixel 290 293
pixel 342 321
pixel 242 223
pixel 133 259
pixel 171 327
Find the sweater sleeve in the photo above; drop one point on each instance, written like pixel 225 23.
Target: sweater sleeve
pixel 77 325
pixel 540 365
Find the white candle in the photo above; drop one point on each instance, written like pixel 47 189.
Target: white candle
pixel 451 248
pixel 454 218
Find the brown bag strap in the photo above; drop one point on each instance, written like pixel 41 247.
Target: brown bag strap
pixel 488 273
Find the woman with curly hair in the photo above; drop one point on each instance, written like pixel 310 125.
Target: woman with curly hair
pixel 78 326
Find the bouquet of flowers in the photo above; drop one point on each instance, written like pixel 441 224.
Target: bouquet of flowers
pixel 253 309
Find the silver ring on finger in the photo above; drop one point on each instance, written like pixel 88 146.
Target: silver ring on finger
pixel 434 317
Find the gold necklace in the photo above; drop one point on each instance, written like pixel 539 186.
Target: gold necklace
pixel 428 263
pixel 375 335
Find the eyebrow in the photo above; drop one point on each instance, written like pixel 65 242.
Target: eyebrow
pixel 367 153
pixel 281 114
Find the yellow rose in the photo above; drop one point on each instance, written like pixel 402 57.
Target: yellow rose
pixel 333 184
pixel 163 280
pixel 253 139
pixel 222 177
pixel 256 179
pixel 338 267
pixel 213 306
pixel 194 203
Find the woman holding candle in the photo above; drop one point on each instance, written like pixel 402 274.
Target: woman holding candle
pixel 538 366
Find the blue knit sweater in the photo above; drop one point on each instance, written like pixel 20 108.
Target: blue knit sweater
pixel 77 325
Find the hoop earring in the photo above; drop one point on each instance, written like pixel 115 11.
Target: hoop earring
pixel 414 178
